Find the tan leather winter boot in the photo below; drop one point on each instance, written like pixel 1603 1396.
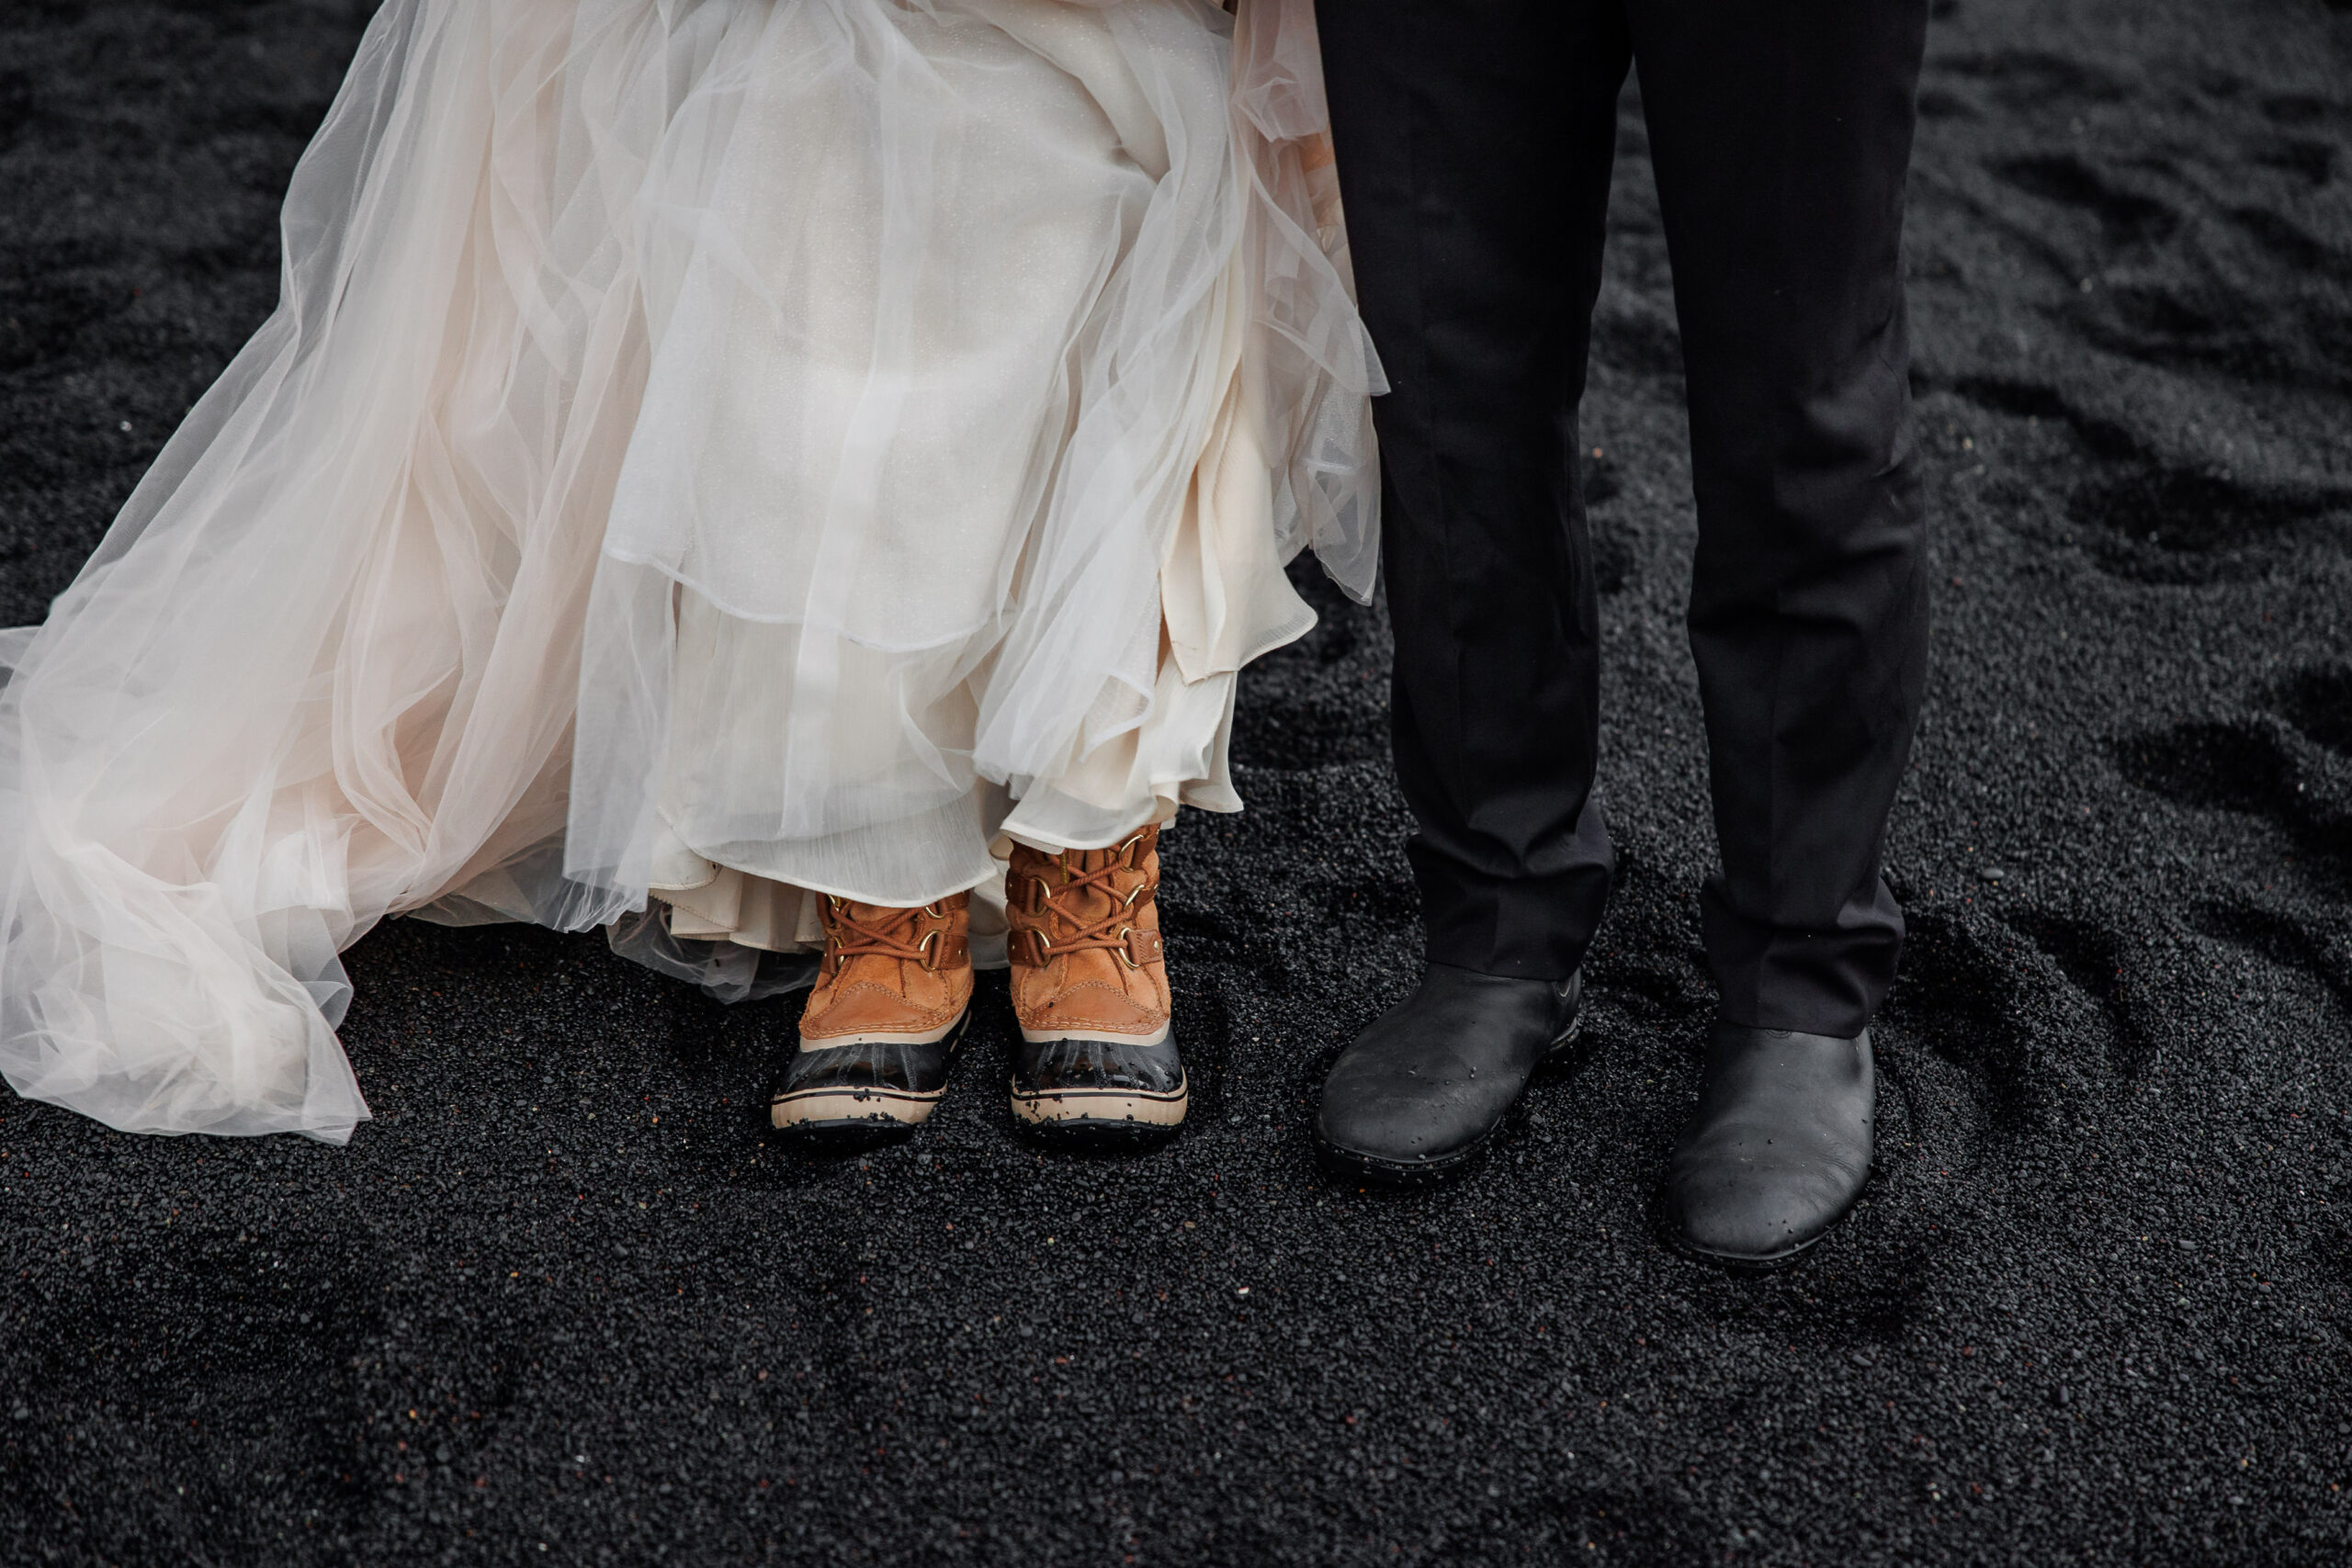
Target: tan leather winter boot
pixel 1097 1059
pixel 892 998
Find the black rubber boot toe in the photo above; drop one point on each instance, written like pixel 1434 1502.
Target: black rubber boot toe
pixel 1106 1091
pixel 871 1091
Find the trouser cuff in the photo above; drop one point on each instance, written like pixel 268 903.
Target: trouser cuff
pixel 1525 927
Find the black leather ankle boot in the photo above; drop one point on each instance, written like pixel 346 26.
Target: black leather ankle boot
pixel 1779 1149
pixel 1416 1095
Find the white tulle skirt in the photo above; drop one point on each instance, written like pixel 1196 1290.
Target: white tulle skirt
pixel 706 454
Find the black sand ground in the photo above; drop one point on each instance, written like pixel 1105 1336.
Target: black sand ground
pixel 565 1300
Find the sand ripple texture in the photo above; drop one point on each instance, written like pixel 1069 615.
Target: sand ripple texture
pixel 565 1301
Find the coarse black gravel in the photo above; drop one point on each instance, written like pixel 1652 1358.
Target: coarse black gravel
pixel 567 1300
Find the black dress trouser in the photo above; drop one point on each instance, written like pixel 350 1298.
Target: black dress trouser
pixel 1474 142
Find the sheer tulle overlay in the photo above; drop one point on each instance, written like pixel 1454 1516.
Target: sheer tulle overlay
pixel 738 449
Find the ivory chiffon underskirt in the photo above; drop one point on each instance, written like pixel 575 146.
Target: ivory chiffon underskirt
pixel 763 896
pixel 707 452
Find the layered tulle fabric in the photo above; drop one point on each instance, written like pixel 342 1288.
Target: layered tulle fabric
pixel 752 432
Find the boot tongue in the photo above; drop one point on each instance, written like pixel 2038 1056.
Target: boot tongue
pixel 882 967
pixel 1100 900
pixel 1085 905
pixel 884 917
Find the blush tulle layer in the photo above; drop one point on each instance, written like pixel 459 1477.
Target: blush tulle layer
pixel 770 439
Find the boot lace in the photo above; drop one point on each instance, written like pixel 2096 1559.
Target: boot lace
pixel 880 932
pixel 1045 901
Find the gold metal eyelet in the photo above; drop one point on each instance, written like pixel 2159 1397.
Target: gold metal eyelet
pixel 1125 934
pixel 928 948
pixel 1140 889
pixel 935 911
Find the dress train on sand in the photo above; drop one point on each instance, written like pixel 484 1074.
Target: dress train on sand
pixel 705 454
